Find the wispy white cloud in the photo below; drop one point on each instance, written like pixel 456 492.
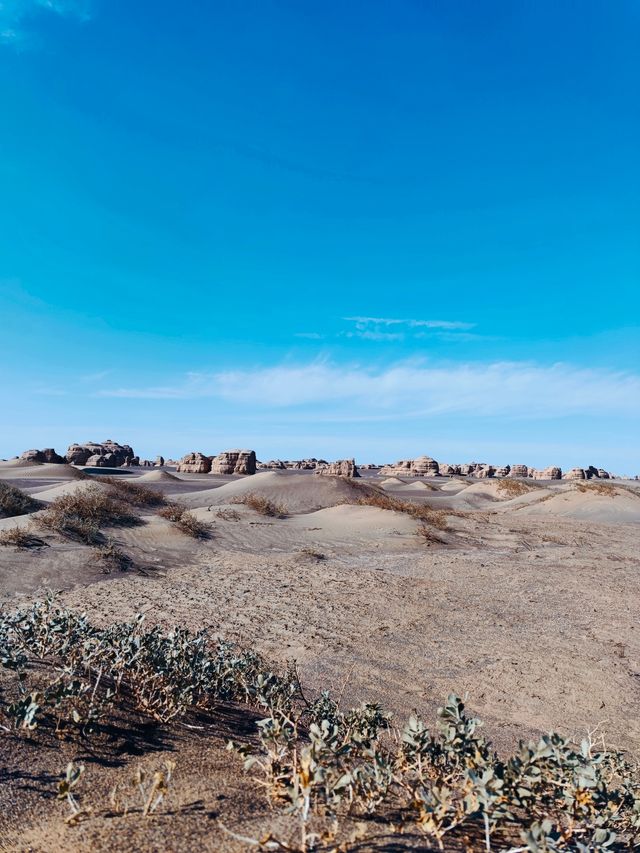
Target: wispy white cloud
pixel 312 336
pixel 413 389
pixel 446 325
pixel 16 15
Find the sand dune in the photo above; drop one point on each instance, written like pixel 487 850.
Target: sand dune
pixel 589 505
pixel 295 493
pixel 157 477
pixel 39 471
pixel 50 494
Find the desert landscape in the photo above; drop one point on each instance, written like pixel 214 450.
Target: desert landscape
pixel 395 586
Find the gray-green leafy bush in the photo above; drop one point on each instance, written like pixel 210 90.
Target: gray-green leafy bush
pixel 322 764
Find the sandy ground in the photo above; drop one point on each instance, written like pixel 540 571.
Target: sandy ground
pixel 530 606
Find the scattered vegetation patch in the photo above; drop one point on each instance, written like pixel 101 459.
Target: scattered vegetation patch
pixel 422 512
pixel 13 501
pixel 134 493
pixel 81 515
pixel 607 489
pixel 262 505
pixel 22 538
pixel 514 488
pixel 322 765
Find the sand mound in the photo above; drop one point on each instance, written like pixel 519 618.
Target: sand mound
pixel 19 463
pixel 418 486
pixel 392 483
pixel 157 477
pixel 40 471
pixel 296 492
pixel 589 505
pixel 48 495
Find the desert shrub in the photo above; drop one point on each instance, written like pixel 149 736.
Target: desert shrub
pixel 228 514
pixel 134 493
pixel 262 505
pixel 13 501
pixel 192 526
pixel 312 554
pixel 314 759
pixel 21 537
pixel 514 488
pixel 171 511
pixel 81 515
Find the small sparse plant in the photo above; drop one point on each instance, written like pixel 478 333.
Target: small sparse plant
pixel 13 501
pixel 171 511
pixel 110 556
pixel 21 538
pixel 262 505
pixel 66 786
pixel 607 489
pixel 420 511
pixel 312 554
pixel 228 514
pixel 192 526
pixel 134 494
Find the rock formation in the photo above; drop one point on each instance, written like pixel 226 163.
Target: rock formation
pixel 46 455
pixel 341 468
pixel 575 474
pixel 551 473
pixel 109 454
pixel 422 466
pixel 234 462
pixel 272 465
pixel 519 471
pixel 503 471
pixel 194 463
pixel 159 461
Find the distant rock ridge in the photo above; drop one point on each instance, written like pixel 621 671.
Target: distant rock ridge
pixel 425 466
pixel 107 454
pixel 46 455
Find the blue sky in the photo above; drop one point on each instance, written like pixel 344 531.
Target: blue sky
pixel 374 229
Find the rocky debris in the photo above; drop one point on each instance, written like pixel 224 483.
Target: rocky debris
pixel 159 461
pixel 341 468
pixel 551 473
pixel 194 463
pixel 234 462
pixel 272 465
pixel 108 454
pixel 46 455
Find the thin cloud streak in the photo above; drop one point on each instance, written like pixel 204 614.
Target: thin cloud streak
pixel 413 389
pixel 447 325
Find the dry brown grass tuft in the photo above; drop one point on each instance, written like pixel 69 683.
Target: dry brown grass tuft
pixel 514 488
pixel 80 516
pixel 228 515
pixel 134 493
pixel 13 501
pixel 171 511
pixel 21 537
pixel 262 505
pixel 110 556
pixel 599 488
pixel 309 553
pixel 422 512
pixel 192 526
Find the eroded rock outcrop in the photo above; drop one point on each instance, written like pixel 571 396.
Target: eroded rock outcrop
pixel 46 455
pixel 194 463
pixel 234 462
pixel 159 461
pixel 519 471
pixel 108 454
pixel 341 468
pixel 575 474
pixel 421 466
pixel 272 465
pixel 551 473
